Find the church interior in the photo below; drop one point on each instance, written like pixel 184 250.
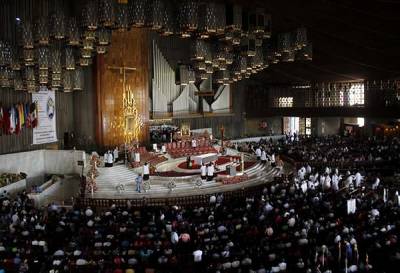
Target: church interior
pixel 210 136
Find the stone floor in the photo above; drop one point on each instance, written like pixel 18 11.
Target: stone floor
pixel 110 178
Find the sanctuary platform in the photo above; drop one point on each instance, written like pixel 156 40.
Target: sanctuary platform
pixel 172 178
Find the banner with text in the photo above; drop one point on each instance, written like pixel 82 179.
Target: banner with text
pixel 45 132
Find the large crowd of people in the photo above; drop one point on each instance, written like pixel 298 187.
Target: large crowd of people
pixel 323 219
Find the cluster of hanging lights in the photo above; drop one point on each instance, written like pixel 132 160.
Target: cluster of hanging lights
pixel 229 42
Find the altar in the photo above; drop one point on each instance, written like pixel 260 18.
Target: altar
pixel 205 158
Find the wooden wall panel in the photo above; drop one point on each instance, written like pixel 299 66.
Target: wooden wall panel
pixel 84 113
pixel 129 49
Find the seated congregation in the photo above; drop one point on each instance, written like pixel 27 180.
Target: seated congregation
pixel 321 217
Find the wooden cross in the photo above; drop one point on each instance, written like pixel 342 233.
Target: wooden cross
pixel 122 70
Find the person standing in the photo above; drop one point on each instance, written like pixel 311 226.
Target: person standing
pixel 106 159
pixel 263 157
pixel 110 159
pixel 203 172
pixel 139 180
pixel 116 154
pixel 146 171
pixel 258 153
pixel 210 172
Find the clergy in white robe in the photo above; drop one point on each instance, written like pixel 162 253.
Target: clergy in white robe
pixel 110 159
pixel 116 154
pixel 210 172
pixel 106 159
pixel 263 157
pixel 146 171
pixel 203 172
pixel 258 153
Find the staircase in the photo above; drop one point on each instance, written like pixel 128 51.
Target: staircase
pixel 109 178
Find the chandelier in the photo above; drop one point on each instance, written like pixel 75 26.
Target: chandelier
pixel 73 32
pixel 122 17
pixel 68 81
pixel 78 79
pixel 58 25
pixel 42 36
pixel 27 35
pixel 137 12
pixel 187 17
pixel 107 13
pixel 69 58
pixel 228 40
pixel 90 15
pixel 156 18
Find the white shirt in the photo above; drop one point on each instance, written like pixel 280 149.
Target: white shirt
pixel 210 170
pixel 263 156
pixel 203 170
pixel 146 169
pixel 116 153
pixel 197 255
pixel 273 158
pixel 110 158
pixel 106 158
pixel 258 152
pixel 194 143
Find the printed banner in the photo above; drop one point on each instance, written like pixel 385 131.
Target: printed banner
pixel 46 131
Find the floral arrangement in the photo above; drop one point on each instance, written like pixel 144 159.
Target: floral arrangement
pixel 92 174
pixel 146 185
pixel 9 178
pixel 171 185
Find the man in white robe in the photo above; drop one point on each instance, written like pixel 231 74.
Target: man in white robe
pixel 110 159
pixel 116 154
pixel 258 153
pixel 263 157
pixel 210 172
pixel 203 172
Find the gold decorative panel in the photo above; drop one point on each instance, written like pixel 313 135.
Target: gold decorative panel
pixel 122 87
